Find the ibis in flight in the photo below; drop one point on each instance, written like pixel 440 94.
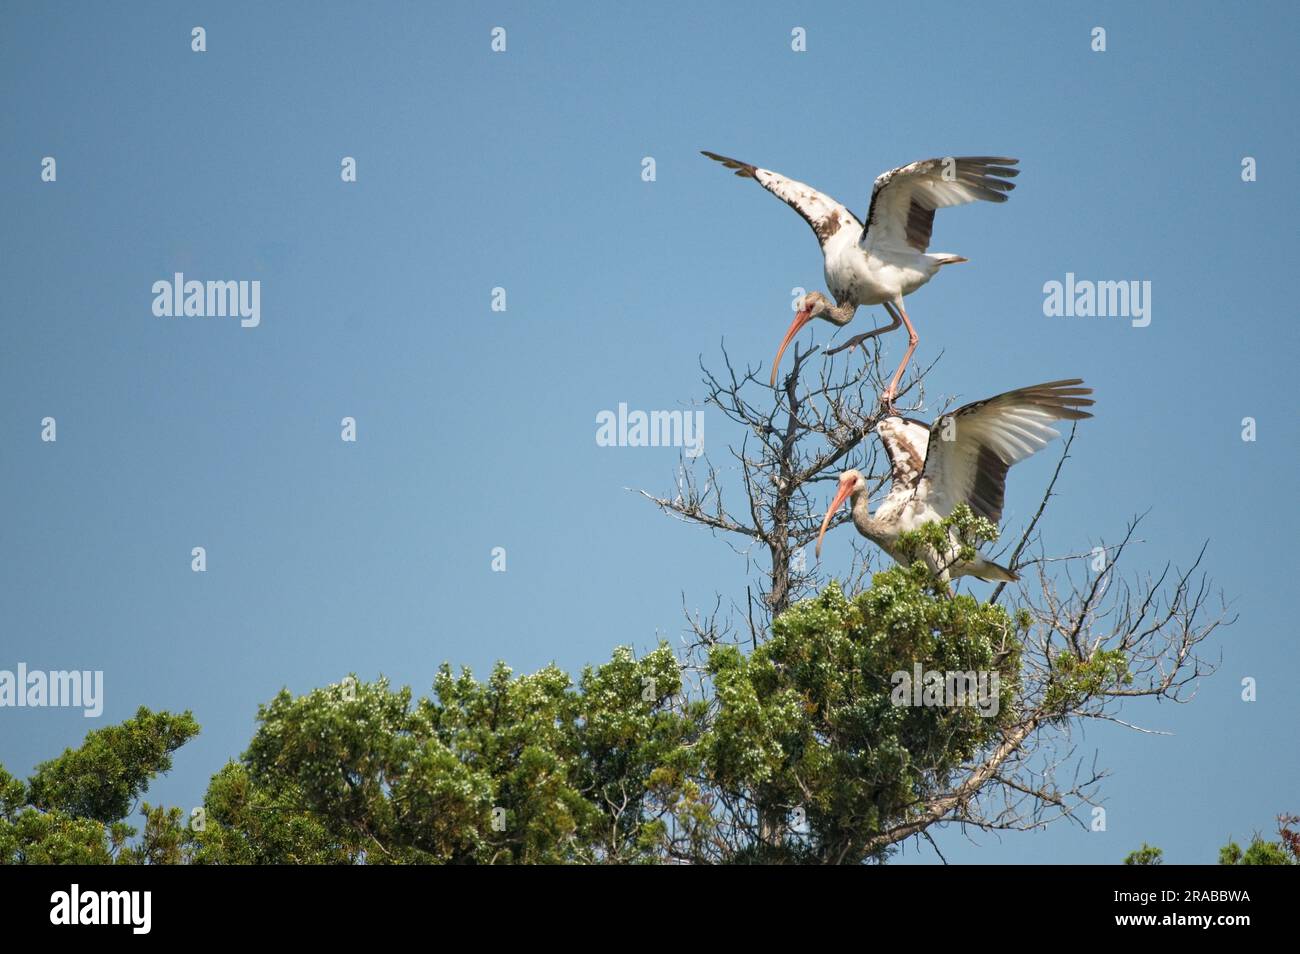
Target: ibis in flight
pixel 881 262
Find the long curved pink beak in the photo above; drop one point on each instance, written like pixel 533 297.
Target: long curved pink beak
pixel 846 488
pixel 800 320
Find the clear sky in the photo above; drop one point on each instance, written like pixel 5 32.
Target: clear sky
pixel 476 429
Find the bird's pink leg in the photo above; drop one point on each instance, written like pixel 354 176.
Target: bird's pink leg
pixel 858 339
pixel 891 392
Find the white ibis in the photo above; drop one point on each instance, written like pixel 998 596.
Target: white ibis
pixel 882 262
pixel 962 458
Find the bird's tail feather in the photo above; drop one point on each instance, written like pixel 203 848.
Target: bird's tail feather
pixel 991 572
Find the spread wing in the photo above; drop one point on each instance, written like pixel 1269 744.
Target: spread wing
pixel 905 442
pixel 903 201
pixel 822 213
pixel 971 449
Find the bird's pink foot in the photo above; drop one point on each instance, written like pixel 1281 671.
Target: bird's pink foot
pixel 852 343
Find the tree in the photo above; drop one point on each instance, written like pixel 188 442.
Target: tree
pixel 1146 855
pixel 808 723
pixel 839 719
pixel 518 769
pixel 1284 851
pixel 73 808
pixel 1085 641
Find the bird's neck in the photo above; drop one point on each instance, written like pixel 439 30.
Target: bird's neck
pixel 842 313
pixel 870 527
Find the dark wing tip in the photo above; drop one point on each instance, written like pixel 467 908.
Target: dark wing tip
pixel 1071 412
pixel 987 176
pixel 1066 397
pixel 743 169
pixel 1064 386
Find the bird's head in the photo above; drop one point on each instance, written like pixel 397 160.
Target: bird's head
pixel 852 483
pixel 806 307
pixel 814 304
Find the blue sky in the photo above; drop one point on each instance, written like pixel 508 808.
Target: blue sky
pixel 476 428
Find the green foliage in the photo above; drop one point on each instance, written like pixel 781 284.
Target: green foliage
pixel 809 720
pixel 102 778
pixel 618 767
pixel 825 722
pixel 933 542
pixel 1146 855
pixel 1074 679
pixel 1284 851
pixel 71 810
pixel 1260 852
pixel 519 769
pixel 162 842
pixel 247 824
pixel 29 836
